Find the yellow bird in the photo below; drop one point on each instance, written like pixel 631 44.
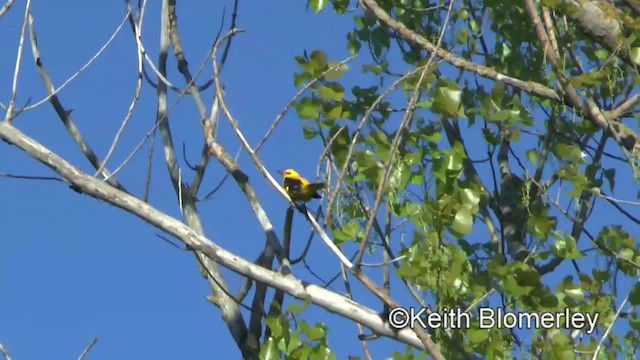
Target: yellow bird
pixel 299 188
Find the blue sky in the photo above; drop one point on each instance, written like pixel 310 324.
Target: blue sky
pixel 73 268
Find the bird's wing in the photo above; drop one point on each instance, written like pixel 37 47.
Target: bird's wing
pixel 293 186
pixel 313 187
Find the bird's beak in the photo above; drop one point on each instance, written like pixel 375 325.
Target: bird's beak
pixel 280 172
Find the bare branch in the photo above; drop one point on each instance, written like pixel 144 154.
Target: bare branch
pixel 82 69
pixel 411 36
pixel 6 7
pixel 87 349
pixel 306 86
pixel 30 177
pixel 95 188
pixel 220 291
pixel 16 71
pixel 613 321
pixel 134 102
pixel 4 351
pixel 63 114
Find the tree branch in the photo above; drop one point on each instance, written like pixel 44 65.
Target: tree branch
pixel 93 187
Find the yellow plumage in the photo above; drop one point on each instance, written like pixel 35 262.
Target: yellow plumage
pixel 299 188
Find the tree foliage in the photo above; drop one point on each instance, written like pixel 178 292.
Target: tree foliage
pixel 478 140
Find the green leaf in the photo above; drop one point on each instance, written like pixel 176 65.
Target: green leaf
pixel 334 111
pixel 400 176
pixel 602 54
pixel 475 27
pixel 353 44
pixel 408 271
pixel 627 254
pixel 380 40
pixel 532 156
pixel 376 69
pixel 366 159
pixel 454 160
pixel 610 175
pixel 269 350
pixel 380 137
pixel 300 79
pixel 321 352
pixel 351 229
pixel 498 116
pixel 337 71
pixel 566 247
pixel 409 209
pixel 447 100
pixel 309 132
pixel 309 108
pixel 296 309
pixel 601 276
pixel 476 336
pixel 471 196
pixel 301 61
pixel 303 353
pixel 497 95
pixel 634 54
pixel 314 333
pixel 414 158
pixel 463 221
pixel 634 297
pixel 318 59
pixel 275 326
pixel 454 163
pixel 331 91
pixel 541 226
pixel 318 5
pixel 520 279
pixel 576 293
pixel 549 301
pixel 491 137
pixel 554 4
pixel 506 50
pixel 417 179
pixel 294 343
pixel 339 236
pixel 569 152
pixel 561 347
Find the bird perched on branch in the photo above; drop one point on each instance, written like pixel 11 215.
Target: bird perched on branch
pixel 299 188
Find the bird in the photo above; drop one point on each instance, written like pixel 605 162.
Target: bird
pixel 299 188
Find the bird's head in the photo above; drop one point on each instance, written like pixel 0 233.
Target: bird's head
pixel 289 173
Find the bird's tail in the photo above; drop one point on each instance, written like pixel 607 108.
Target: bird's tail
pixel 315 187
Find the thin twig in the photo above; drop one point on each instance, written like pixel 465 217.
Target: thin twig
pixel 613 321
pixel 132 106
pixel 30 177
pixel 284 111
pixel 215 111
pixel 220 294
pixel 16 72
pixel 6 8
pixel 65 115
pixel 95 57
pixel 397 141
pixel 87 349
pixel 383 263
pixel 5 352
